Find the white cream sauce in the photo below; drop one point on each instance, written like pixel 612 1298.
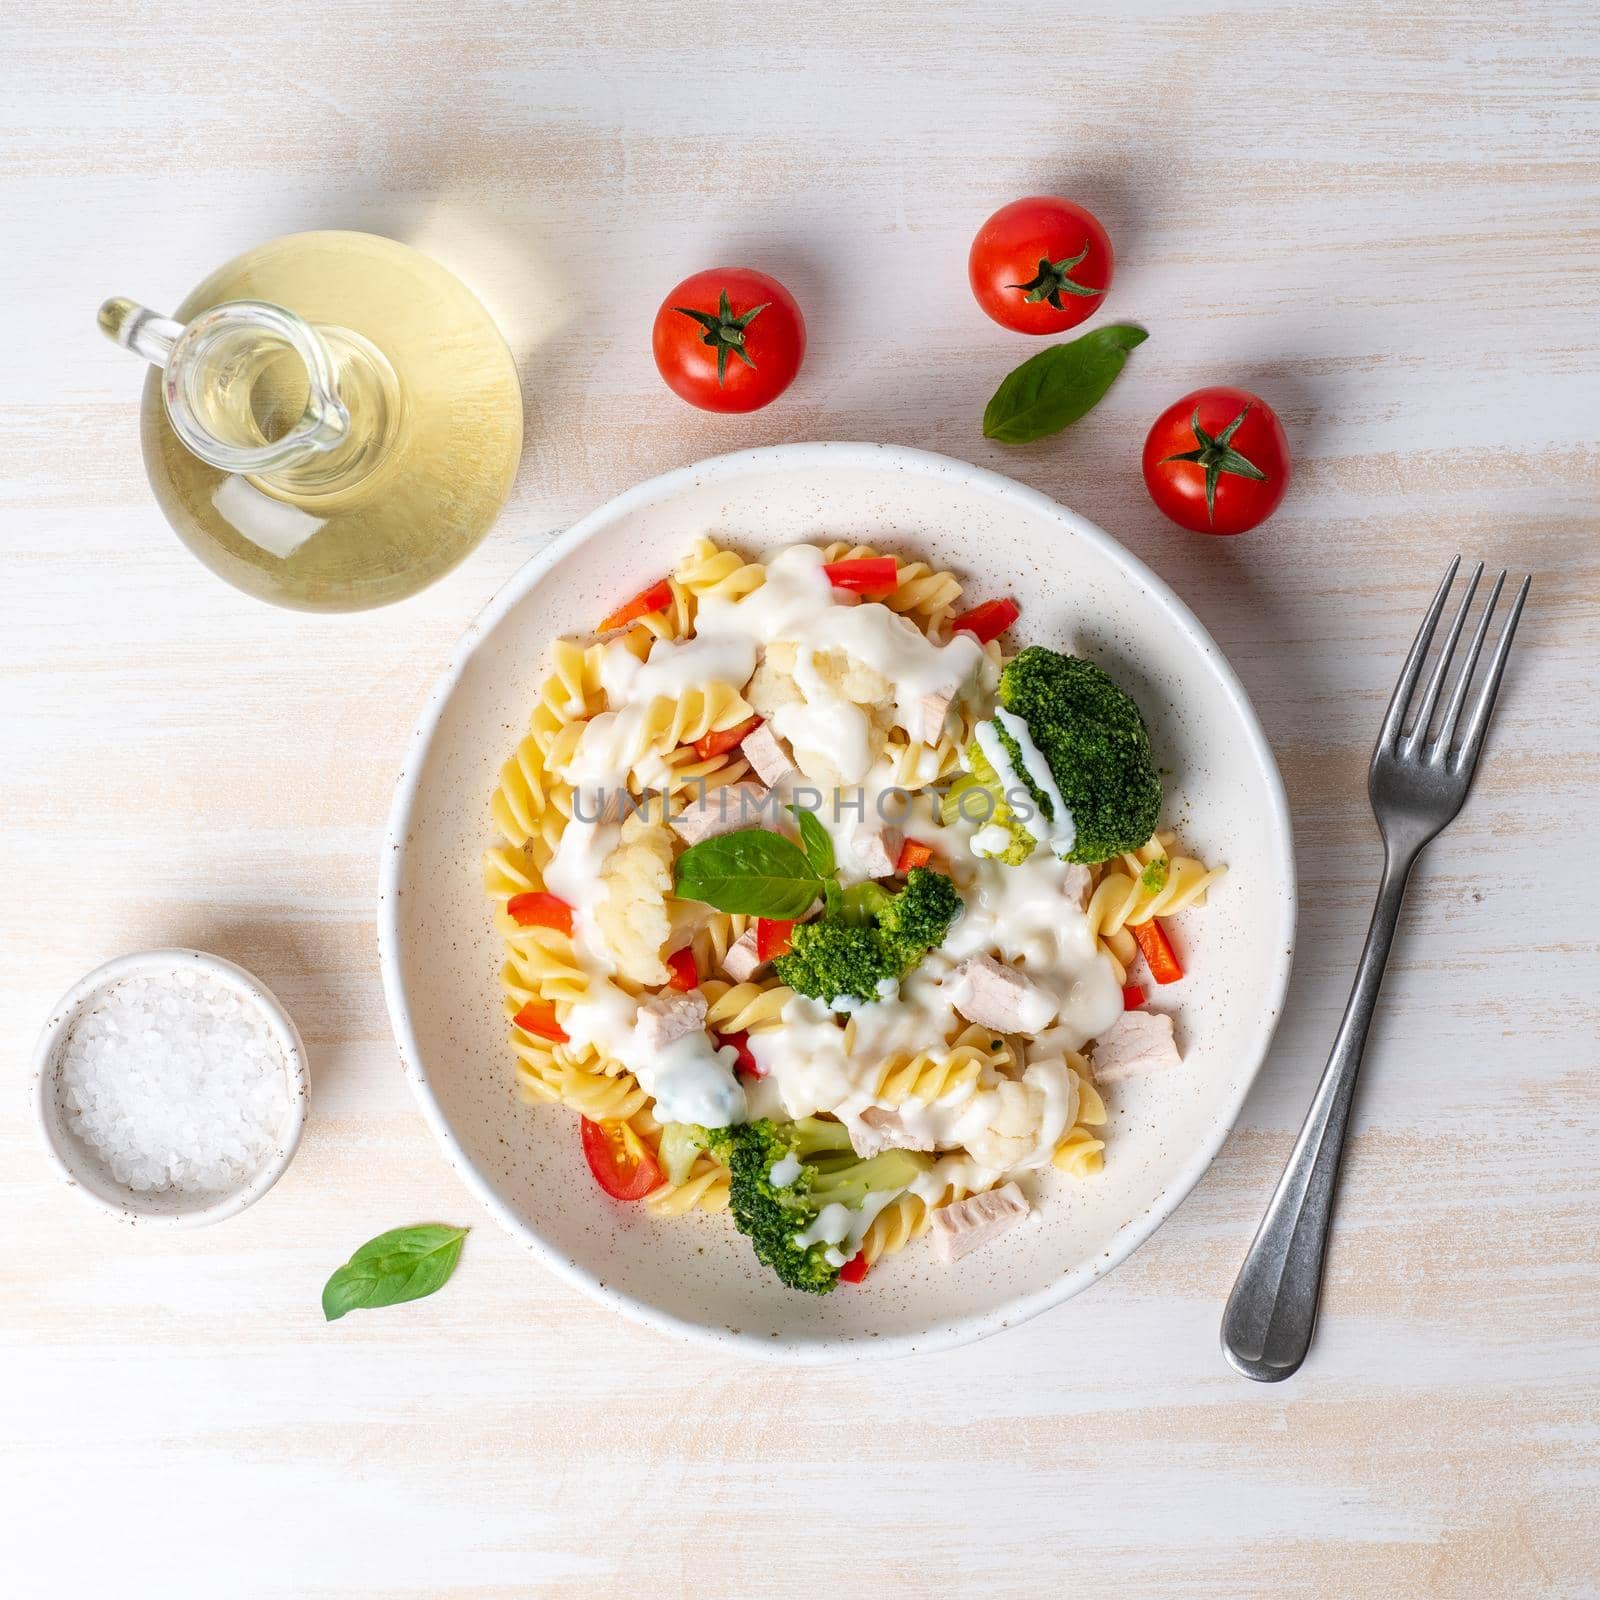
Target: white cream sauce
pixel 1060 829
pixel 842 1227
pixel 797 605
pixel 1018 914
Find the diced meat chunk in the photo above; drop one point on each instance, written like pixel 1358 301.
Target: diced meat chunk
pixel 996 996
pixel 742 962
pixel 881 1128
pixel 726 810
pixel 1075 885
pixel 766 754
pixel 968 1224
pixel 877 848
pixel 669 1016
pixel 1137 1042
pixel 928 715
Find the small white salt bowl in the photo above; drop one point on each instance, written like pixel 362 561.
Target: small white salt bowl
pixel 83 1166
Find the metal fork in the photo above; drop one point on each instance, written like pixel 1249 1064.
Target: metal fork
pixel 1416 785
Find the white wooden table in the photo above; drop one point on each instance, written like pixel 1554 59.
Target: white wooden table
pixel 1385 224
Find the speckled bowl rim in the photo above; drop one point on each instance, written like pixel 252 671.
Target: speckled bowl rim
pixel 888 459
pixel 70 1007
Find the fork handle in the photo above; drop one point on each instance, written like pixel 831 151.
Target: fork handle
pixel 1267 1326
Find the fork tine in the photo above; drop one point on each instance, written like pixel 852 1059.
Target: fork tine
pixel 1430 694
pixel 1394 718
pixel 1458 692
pixel 1478 723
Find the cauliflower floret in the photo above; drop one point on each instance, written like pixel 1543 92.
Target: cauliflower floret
pixel 773 686
pixel 1017 1124
pixel 850 679
pixel 631 908
pixel 834 711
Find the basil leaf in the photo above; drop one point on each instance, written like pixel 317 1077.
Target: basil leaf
pixel 403 1264
pixel 1058 385
pixel 753 873
pixel 818 844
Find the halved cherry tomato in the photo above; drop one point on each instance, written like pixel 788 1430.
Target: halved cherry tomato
pixel 865 575
pixel 684 974
pixel 987 621
pixel 656 598
pixel 913 853
pixel 1132 997
pixel 855 1269
pixel 620 1160
pixel 746 1063
pixel 773 938
pixel 536 909
pixel 716 744
pixel 539 1017
pixel 1159 955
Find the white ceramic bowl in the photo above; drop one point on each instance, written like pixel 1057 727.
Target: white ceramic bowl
pixel 82 1166
pixel 440 955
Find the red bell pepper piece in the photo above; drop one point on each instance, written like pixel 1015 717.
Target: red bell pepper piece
pixel 746 1063
pixel 536 909
pixel 865 575
pixel 855 1269
pixel 913 853
pixel 1132 997
pixel 656 598
pixel 684 976
pixel 716 744
pixel 773 938
pixel 539 1017
pixel 1159 955
pixel 988 621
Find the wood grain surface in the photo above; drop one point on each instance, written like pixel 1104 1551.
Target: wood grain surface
pixel 1383 218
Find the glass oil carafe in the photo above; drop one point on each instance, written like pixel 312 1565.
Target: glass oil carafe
pixel 331 422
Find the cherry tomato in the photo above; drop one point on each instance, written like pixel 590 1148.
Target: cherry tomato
pixel 773 937
pixel 620 1160
pixel 684 974
pixel 1217 461
pixel 1040 265
pixel 729 340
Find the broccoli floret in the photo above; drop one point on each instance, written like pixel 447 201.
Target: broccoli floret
pixel 976 797
pixel 773 1215
pixel 831 960
pixel 874 942
pixel 1096 745
pixel 918 918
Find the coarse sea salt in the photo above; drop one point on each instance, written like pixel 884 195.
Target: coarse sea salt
pixel 175 1081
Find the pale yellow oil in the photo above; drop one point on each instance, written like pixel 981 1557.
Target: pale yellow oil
pixel 435 481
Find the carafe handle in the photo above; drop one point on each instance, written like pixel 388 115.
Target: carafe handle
pixel 199 358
